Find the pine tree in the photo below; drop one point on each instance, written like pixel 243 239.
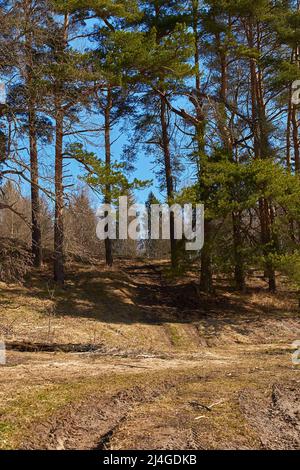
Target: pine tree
pixel 32 24
pixel 69 86
pixel 158 58
pixel 111 97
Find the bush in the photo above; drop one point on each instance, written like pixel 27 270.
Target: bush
pixel 15 260
pixel 289 264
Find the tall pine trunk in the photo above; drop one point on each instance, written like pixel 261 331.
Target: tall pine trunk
pixel 168 176
pixel 261 149
pixel 108 241
pixel 288 130
pixel 36 238
pixel 206 272
pixel 165 145
pixel 296 140
pixel 59 275
pixel 227 140
pixel 295 119
pixel 36 235
pixel 59 198
pixel 295 113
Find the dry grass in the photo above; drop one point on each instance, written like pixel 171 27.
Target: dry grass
pixel 212 350
pixel 104 307
pixel 204 412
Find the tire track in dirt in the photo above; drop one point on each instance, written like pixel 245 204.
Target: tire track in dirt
pixel 275 416
pixel 91 424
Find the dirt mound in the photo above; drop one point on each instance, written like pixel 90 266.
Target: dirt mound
pixel 275 416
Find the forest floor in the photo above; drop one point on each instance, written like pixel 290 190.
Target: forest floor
pixel 130 358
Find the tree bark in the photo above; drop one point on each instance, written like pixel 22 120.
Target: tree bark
pixel 288 131
pixel 59 199
pixel 206 274
pixel 261 148
pixel 36 237
pixel 296 141
pixel 35 198
pixel 169 177
pixel 108 241
pixel 295 114
pixel 59 275
pixel 239 268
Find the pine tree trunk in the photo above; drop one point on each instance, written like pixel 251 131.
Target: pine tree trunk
pixel 288 131
pixel 292 230
pixel 239 270
pixel 295 113
pixel 169 178
pixel 267 240
pixel 261 148
pixel 108 241
pixel 206 273
pixel 165 145
pixel 296 140
pixel 36 238
pixel 35 199
pixel 59 200
pixel 59 274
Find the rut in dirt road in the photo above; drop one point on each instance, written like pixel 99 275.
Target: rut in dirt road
pixel 155 291
pixel 163 298
pixel 90 424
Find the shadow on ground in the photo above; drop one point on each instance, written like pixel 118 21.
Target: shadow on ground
pixel 141 293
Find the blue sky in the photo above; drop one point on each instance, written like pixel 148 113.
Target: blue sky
pixel 94 142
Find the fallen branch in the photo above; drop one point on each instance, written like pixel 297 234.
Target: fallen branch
pixel 196 404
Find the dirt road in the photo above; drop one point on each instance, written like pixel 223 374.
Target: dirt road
pixel 207 382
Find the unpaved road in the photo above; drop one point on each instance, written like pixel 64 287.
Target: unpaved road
pixel 172 374
pixel 239 398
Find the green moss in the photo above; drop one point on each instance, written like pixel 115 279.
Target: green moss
pixel 174 335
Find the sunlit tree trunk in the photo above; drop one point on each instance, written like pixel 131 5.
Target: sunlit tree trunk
pixel 34 167
pixel 59 276
pixel 108 241
pixel 261 146
pixel 168 175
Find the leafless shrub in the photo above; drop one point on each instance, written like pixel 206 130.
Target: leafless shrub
pixel 15 260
